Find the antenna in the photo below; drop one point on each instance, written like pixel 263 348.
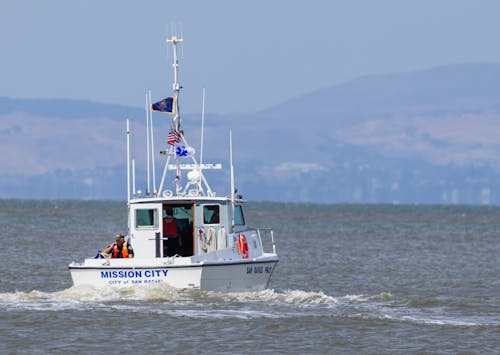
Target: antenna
pixel 202 126
pixel 181 33
pixel 232 176
pixel 128 161
pixel 133 177
pixel 147 144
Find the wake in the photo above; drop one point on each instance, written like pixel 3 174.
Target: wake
pixel 77 296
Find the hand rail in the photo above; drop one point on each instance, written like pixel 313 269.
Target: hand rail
pixel 258 229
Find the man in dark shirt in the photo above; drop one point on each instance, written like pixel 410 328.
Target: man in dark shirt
pixel 170 233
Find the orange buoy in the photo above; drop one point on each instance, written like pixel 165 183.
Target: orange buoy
pixel 243 246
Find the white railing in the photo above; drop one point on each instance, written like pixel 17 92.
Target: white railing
pixel 268 232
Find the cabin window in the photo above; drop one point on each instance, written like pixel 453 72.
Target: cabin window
pixel 146 218
pixel 238 215
pixel 211 214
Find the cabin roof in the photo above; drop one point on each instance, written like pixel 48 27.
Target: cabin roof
pixel 184 199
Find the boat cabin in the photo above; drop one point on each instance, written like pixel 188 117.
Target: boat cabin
pixel 180 227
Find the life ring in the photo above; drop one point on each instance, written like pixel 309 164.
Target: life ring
pixel 243 246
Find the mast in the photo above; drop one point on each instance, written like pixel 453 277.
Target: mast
pixel 196 178
pixel 176 85
pixel 176 121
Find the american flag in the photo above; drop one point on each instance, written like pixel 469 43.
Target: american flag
pixel 174 137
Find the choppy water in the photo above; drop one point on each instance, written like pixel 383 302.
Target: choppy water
pixel 351 279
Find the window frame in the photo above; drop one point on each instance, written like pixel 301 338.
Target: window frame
pixel 205 208
pixel 146 226
pixel 240 214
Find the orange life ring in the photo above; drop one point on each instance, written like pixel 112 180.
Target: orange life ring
pixel 243 246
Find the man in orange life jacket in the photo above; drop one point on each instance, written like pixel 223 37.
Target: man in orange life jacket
pixel 119 249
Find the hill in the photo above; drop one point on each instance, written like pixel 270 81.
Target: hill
pixel 427 136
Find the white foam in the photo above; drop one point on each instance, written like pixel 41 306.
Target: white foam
pixel 384 296
pixel 297 297
pixel 84 297
pixel 432 320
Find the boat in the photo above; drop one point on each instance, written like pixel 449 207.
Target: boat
pixel 184 235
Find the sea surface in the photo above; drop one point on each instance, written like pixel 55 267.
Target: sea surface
pixel 351 279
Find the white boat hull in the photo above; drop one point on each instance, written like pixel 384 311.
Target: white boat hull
pixel 237 276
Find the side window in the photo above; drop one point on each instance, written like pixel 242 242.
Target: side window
pixel 146 218
pixel 238 215
pixel 211 214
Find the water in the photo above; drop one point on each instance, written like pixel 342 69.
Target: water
pixel 351 279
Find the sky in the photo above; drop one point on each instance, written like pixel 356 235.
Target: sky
pixel 248 55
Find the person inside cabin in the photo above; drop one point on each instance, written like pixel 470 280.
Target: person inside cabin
pixel 170 242
pixel 211 215
pixel 120 248
pixel 215 216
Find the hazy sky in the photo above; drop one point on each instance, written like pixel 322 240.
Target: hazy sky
pixel 247 54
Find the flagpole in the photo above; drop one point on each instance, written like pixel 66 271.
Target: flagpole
pixel 152 144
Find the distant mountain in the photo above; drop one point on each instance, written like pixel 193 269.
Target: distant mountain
pixel 66 108
pixel 428 136
pixel 453 89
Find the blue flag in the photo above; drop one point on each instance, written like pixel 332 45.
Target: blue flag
pixel 166 105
